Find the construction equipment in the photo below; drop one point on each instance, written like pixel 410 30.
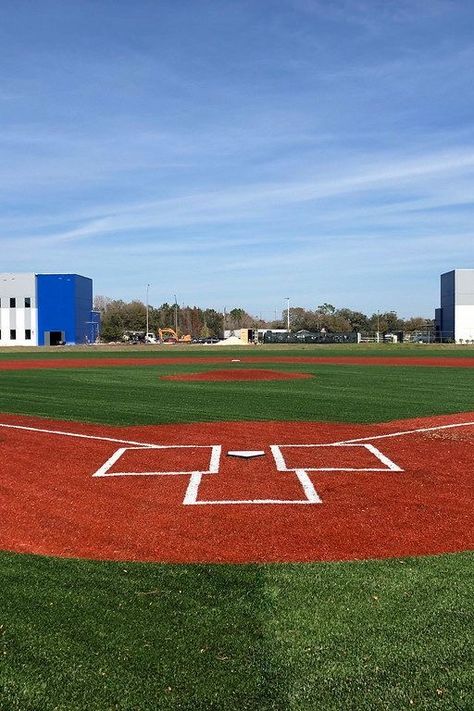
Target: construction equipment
pixel 169 335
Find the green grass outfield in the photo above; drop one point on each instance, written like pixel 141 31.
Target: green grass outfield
pixel 389 350
pixel 385 635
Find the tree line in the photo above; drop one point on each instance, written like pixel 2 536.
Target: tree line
pixel 119 317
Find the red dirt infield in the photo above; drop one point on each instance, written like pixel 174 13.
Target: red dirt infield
pixel 311 496
pixel 429 362
pixel 246 374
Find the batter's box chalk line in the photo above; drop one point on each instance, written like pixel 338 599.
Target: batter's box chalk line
pixel 192 492
pixel 379 456
pixel 213 468
pixel 191 498
pixel 310 495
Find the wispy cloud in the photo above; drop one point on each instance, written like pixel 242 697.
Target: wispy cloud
pixel 296 149
pixel 425 174
pixel 371 14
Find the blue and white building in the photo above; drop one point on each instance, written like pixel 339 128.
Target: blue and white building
pixel 46 309
pixel 455 317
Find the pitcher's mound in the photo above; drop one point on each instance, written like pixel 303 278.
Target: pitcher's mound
pixel 248 374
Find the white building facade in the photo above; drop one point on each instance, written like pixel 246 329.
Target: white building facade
pixel 18 310
pixel 455 317
pixel 46 310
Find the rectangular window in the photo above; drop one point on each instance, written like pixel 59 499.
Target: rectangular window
pixel 13 334
pixel 12 302
pixel 27 302
pixel 28 334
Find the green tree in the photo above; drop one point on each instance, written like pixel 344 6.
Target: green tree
pixel 214 321
pixel 134 315
pixel 326 309
pixel 358 320
pixel 235 317
pixel 204 332
pixel 417 323
pixel 112 326
pixel 386 322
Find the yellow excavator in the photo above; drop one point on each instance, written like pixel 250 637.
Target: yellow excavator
pixel 169 335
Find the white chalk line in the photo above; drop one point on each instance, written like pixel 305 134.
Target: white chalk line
pixel 213 461
pixel 149 444
pixel 81 436
pixel 192 491
pixel 282 466
pixel 403 432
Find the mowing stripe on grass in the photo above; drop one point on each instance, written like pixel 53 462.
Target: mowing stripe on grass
pixel 374 636
pixel 138 396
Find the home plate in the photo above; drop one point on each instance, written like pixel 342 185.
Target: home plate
pixel 246 453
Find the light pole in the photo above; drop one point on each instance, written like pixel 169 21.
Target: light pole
pixel 288 314
pixel 147 312
pixel 175 315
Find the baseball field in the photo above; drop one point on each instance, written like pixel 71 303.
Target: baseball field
pixel 261 528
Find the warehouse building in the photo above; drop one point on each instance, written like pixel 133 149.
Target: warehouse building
pixel 46 310
pixel 455 318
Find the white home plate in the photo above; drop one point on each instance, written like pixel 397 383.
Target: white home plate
pixel 246 453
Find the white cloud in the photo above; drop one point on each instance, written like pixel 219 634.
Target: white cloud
pixel 433 176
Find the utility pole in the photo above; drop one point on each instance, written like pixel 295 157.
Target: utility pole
pixel 147 312
pixel 288 314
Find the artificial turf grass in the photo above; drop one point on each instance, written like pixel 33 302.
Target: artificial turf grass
pixel 52 666
pixel 389 350
pixel 375 635
pixel 336 393
pixel 380 635
pixel 83 635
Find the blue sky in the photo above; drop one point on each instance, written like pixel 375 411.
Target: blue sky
pixel 236 152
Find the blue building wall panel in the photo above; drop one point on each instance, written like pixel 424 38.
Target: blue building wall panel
pixel 448 291
pixel 83 307
pixel 64 305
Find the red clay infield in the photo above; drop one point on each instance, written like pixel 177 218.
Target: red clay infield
pixel 311 495
pixel 432 362
pixel 247 374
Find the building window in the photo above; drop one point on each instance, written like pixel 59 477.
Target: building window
pixel 27 302
pixel 13 334
pixel 28 334
pixel 12 302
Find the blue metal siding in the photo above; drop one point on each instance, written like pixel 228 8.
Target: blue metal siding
pixel 83 306
pixel 64 304
pixel 448 290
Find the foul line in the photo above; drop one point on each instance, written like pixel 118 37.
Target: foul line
pixel 149 444
pixel 404 432
pixel 81 436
